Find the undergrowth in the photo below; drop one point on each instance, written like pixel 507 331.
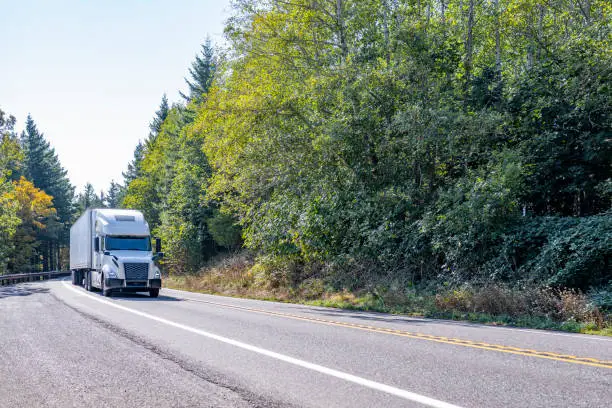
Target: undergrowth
pixel 541 307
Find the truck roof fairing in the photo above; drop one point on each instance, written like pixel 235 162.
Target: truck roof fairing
pixel 121 222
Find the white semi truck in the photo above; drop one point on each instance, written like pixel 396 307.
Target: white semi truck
pixel 110 249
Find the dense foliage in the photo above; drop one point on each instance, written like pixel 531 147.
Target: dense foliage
pixel 36 201
pixel 395 141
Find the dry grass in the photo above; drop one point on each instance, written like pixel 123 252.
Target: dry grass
pixel 558 305
pixel 240 275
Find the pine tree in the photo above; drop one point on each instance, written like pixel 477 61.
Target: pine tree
pixel 10 163
pixel 89 199
pixel 11 156
pixel 159 118
pixel 202 73
pixel 134 170
pixel 114 195
pixel 44 169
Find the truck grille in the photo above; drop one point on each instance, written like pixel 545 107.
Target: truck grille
pixel 136 271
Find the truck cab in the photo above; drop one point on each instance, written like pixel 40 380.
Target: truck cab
pixel 120 256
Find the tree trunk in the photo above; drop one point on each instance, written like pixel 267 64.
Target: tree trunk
pixel 386 13
pixel 443 11
pixel 341 28
pixel 469 45
pixel 498 66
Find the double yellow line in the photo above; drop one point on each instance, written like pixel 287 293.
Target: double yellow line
pixel 593 362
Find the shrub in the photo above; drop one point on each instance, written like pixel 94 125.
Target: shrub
pixel 559 251
pixel 224 230
pixel 560 305
pixel 602 298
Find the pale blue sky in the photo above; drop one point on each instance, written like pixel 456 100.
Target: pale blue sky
pixel 92 73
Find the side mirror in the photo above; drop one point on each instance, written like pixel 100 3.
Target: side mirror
pixel 97 244
pixel 158 256
pixel 158 245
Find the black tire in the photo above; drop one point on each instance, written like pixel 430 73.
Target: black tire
pixel 88 286
pixel 74 276
pixel 105 292
pixel 154 292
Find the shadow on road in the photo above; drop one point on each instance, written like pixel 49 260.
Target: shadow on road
pixel 386 318
pixel 142 297
pixel 23 289
pixel 367 316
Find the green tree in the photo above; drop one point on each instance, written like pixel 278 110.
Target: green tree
pixel 35 210
pixel 10 164
pixel 202 73
pixel 393 141
pixel 133 168
pixel 43 168
pixel 89 199
pixel 114 195
pixel 402 136
pixel 160 115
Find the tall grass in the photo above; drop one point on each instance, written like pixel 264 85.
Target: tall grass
pixel 240 275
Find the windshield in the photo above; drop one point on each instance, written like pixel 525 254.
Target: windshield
pixel 128 243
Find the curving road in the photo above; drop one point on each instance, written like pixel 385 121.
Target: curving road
pixel 63 347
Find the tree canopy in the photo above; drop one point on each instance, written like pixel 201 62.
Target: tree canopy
pixel 396 141
pixel 36 203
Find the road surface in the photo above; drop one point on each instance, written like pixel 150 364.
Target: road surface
pixel 61 346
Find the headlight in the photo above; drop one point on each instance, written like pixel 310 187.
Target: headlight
pixel 109 271
pixel 156 273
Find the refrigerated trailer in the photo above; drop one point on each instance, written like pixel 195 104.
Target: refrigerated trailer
pixel 110 249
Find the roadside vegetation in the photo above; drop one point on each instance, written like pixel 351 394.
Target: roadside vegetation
pixel 36 201
pixel 447 158
pixel 239 275
pixel 444 158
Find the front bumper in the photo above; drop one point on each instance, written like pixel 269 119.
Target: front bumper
pixel 132 286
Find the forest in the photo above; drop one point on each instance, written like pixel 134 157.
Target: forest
pixel 36 201
pixel 380 147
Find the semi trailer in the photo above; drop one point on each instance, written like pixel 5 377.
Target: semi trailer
pixel 110 249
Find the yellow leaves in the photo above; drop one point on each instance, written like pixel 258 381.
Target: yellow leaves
pixel 34 205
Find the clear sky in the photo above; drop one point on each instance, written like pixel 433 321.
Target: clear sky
pixel 92 73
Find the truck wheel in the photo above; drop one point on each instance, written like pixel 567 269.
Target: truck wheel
pixel 105 292
pixel 154 292
pixel 88 286
pixel 74 277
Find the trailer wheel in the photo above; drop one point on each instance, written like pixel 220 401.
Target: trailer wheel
pixel 74 276
pixel 154 292
pixel 88 286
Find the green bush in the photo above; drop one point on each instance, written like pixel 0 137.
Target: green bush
pixel 561 251
pixel 224 230
pixel 602 298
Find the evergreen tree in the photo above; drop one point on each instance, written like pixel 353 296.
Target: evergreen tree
pixel 10 162
pixel 11 156
pixel 160 116
pixel 202 73
pixel 89 199
pixel 114 195
pixel 44 169
pixel 134 167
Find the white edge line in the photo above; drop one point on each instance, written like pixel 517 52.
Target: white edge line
pixel 287 359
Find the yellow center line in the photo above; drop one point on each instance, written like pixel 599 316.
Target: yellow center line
pixel 593 362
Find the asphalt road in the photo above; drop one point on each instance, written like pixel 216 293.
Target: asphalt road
pixel 63 347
